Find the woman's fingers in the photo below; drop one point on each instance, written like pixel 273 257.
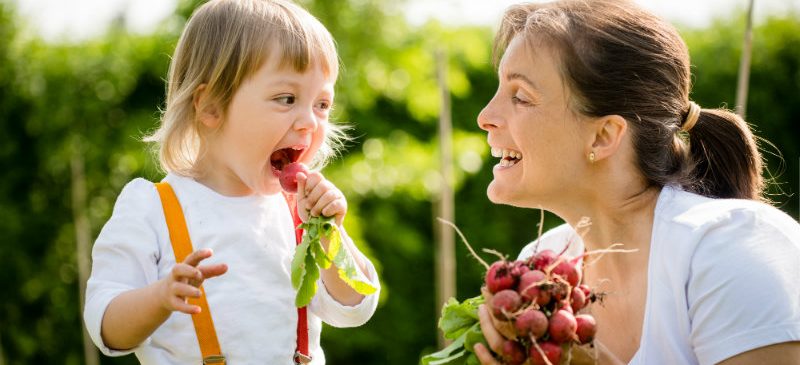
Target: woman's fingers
pixel 484 355
pixel 493 337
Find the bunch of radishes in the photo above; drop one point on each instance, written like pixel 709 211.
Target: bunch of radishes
pixel 535 304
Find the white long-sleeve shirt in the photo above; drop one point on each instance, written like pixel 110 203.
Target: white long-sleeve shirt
pixel 252 305
pixel 723 278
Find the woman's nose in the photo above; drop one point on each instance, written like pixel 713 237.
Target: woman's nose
pixel 487 118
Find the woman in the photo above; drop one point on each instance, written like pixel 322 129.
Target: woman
pixel 592 118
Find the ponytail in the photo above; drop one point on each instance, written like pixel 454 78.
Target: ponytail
pixel 724 157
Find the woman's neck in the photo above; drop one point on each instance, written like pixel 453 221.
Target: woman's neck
pixel 620 216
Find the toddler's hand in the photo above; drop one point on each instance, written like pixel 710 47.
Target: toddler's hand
pixel 317 196
pixel 185 279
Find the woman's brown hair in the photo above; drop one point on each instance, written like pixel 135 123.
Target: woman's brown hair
pixel 618 59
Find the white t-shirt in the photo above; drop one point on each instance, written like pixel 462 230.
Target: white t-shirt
pixel 252 305
pixel 723 278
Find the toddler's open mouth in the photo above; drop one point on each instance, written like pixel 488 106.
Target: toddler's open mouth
pixel 284 156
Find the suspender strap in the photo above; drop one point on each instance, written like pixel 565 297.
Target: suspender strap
pixel 182 247
pixel 301 355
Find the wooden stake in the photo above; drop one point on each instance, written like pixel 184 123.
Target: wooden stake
pixel 445 258
pixel 82 241
pixel 742 84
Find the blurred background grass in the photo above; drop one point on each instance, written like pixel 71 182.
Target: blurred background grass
pixel 86 104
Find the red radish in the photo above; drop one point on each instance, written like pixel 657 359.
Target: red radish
pixel 543 259
pixel 587 328
pixel 519 268
pixel 288 177
pixel 513 353
pixel 529 285
pixel 569 272
pixel 577 300
pixel 551 350
pixel 563 304
pixel 562 326
pixel 504 303
pixel 531 321
pixel 499 277
pixel 585 289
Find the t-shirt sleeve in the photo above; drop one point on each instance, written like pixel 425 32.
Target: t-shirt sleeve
pixel 124 256
pixel 743 291
pixel 336 314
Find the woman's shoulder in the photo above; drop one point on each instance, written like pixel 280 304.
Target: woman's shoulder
pixel 737 216
pixel 558 239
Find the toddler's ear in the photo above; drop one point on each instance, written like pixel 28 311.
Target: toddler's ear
pixel 206 110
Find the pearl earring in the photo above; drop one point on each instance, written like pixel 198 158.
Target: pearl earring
pixel 591 157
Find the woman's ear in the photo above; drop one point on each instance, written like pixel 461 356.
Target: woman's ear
pixel 609 133
pixel 206 111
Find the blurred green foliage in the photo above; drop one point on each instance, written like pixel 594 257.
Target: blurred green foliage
pixel 96 99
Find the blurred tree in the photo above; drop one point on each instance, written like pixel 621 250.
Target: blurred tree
pixel 103 95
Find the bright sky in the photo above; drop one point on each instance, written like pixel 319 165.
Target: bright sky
pixel 79 19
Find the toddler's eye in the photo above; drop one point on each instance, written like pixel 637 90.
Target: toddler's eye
pixel 324 105
pixel 286 99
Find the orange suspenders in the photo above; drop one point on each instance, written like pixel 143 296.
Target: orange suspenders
pixel 182 246
pixel 203 325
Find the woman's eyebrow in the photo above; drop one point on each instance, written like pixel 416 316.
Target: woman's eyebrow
pixel 518 76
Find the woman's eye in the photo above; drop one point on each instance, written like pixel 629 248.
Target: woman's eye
pixel 519 101
pixel 286 99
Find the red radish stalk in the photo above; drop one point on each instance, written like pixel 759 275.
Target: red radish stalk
pixel 469 247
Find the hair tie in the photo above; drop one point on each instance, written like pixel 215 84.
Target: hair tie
pixel 691 116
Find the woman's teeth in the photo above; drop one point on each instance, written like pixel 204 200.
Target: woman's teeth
pixel 507 157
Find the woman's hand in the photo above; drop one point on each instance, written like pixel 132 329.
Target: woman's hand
pixel 492 335
pixel 184 281
pixel 316 196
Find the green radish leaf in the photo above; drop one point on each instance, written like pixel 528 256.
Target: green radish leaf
pixel 459 317
pixel 474 336
pixel 349 273
pixel 454 354
pixel 319 254
pixel 334 240
pixel 308 287
pixel 298 264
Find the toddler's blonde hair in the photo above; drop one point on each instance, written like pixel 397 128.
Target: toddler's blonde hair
pixel 223 43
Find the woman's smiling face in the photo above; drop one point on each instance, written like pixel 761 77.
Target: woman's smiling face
pixel 532 129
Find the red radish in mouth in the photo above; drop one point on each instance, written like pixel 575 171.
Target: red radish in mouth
pixel 288 177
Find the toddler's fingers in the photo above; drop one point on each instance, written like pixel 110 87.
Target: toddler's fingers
pixel 324 201
pixel 183 290
pixel 301 185
pixel 186 273
pixel 181 305
pixel 313 179
pixel 195 257
pixel 484 355
pixel 493 337
pixel 210 271
pixel 336 208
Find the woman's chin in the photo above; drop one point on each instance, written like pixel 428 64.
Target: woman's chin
pixel 498 194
